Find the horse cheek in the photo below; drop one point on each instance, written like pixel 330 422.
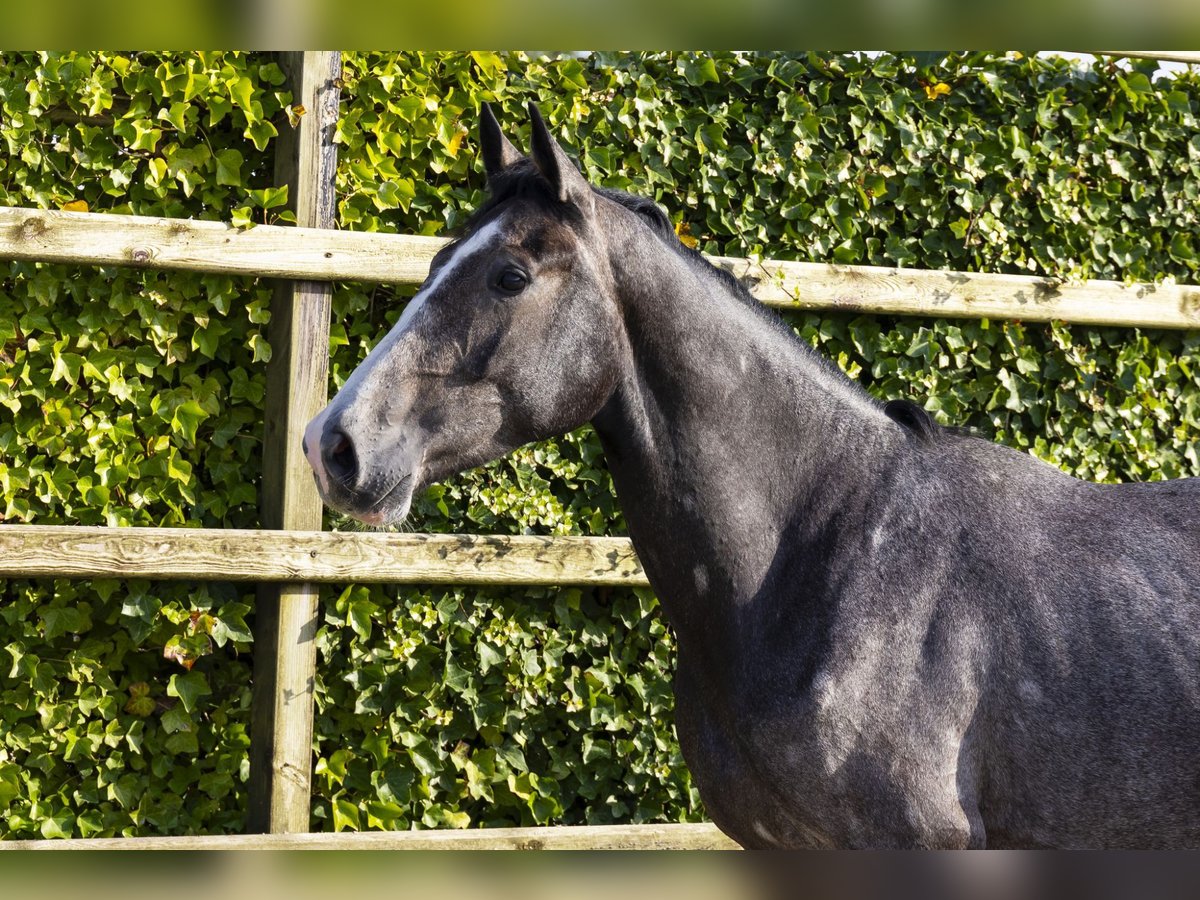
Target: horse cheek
pixel 581 383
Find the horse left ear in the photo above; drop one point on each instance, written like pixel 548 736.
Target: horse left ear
pixel 498 151
pixel 565 179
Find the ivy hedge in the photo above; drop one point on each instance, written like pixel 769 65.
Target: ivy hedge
pixel 135 398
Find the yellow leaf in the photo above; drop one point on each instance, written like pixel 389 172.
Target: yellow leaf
pixel 76 206
pixel 294 113
pixel 683 231
pixel 937 89
pixel 456 140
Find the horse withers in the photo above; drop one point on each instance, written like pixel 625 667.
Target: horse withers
pixel 890 634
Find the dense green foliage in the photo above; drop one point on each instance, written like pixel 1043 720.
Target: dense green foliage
pixel 129 398
pixel 135 398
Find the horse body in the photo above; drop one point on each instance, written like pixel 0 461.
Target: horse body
pixel 889 634
pixel 896 637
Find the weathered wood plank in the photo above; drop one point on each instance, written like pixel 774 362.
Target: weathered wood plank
pixel 690 836
pixel 1181 56
pixel 200 554
pixel 269 251
pixel 286 615
pixel 900 291
pixel 91 238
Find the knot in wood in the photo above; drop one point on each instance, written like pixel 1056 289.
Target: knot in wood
pixel 140 255
pixel 1189 304
pixel 32 228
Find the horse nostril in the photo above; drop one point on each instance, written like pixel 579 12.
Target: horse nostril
pixel 340 459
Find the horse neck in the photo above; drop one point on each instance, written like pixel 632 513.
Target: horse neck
pixel 722 427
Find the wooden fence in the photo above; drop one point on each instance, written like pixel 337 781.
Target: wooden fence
pixel 690 836
pixel 305 253
pixel 291 556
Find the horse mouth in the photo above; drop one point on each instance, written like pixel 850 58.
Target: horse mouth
pixel 389 509
pixel 393 506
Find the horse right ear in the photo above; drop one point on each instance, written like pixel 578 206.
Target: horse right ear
pixel 566 181
pixel 498 151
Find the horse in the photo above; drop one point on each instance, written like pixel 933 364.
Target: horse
pixel 890 633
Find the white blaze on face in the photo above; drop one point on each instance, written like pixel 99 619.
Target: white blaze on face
pixel 360 387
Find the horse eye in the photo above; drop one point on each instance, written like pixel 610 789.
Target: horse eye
pixel 512 281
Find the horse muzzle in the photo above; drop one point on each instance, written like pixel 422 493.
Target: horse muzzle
pixel 358 472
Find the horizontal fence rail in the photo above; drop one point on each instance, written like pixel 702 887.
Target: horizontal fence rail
pixel 264 251
pixel 1191 57
pixel 925 292
pixel 75 551
pixel 689 836
pixel 321 255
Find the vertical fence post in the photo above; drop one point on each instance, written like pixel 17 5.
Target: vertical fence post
pixel 286 615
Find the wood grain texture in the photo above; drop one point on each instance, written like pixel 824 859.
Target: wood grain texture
pixel 690 836
pixel 279 789
pixel 92 238
pixel 899 291
pixel 298 373
pixel 202 554
pixel 285 658
pixel 270 251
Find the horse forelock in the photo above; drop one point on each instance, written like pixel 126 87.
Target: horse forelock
pixel 523 181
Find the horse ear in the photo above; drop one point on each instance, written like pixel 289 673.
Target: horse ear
pixel 556 167
pixel 498 151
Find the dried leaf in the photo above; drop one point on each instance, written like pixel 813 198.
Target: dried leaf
pixel 684 232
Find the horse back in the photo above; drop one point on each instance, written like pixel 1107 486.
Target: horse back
pixel 1088 598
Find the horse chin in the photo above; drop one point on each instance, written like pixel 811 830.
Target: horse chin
pixel 391 509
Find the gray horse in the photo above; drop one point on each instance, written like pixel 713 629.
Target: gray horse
pixel 890 634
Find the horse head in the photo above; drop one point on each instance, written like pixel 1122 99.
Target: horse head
pixel 513 337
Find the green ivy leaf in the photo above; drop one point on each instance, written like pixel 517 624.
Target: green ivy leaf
pixel 189 688
pixel 241 91
pixel 62 620
pixel 345 815
pixel 261 134
pixel 229 167
pixel 58 825
pixel 361 613
pixel 187 418
pixel 242 217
